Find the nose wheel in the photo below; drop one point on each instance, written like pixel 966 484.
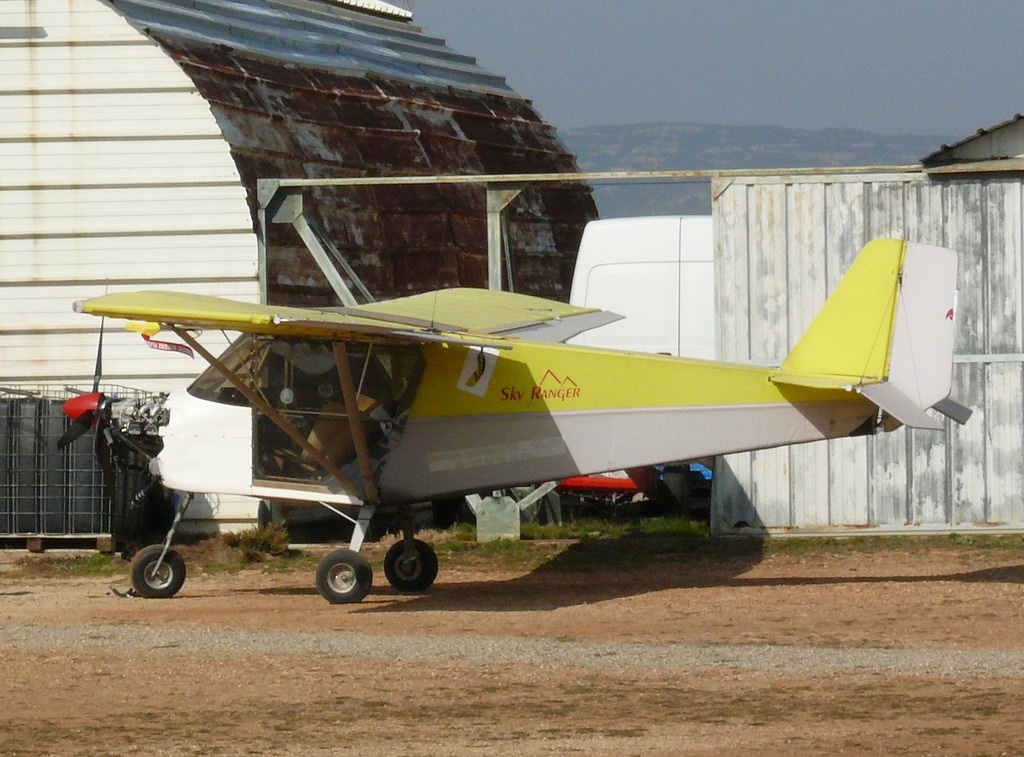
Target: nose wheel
pixel 158 572
pixel 156 575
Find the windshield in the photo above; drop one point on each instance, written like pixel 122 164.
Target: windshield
pixel 213 386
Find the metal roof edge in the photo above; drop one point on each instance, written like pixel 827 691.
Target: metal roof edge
pixel 339 36
pixel 996 165
pixel 389 10
pixel 945 150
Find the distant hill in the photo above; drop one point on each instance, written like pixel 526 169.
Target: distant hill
pixel 680 146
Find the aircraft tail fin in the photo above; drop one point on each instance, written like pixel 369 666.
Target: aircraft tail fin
pixel 887 332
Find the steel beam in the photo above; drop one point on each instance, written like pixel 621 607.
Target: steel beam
pixel 603 176
pixel 499 196
pixel 280 204
pixel 319 253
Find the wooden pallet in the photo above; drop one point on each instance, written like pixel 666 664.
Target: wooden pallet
pixel 42 542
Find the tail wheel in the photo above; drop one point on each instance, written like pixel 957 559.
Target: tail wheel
pixel 344 576
pixel 415 572
pixel 155 581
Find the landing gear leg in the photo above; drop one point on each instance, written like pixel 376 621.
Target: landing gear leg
pixel 158 572
pixel 345 576
pixel 362 526
pixel 411 564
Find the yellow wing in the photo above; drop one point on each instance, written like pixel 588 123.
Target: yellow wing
pixel 483 311
pixel 454 313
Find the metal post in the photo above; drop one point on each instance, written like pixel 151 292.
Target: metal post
pixel 499 196
pixel 261 252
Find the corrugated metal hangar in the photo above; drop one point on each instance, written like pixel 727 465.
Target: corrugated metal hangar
pixel 115 176
pixel 782 244
pixel 134 133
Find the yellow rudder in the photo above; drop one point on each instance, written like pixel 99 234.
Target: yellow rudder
pixel 851 335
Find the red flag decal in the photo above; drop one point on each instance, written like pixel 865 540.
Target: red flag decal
pixel 156 344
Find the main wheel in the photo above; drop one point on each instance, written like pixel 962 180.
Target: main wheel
pixel 414 573
pixel 344 576
pixel 157 583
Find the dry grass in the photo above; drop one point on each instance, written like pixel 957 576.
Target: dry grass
pixel 580 546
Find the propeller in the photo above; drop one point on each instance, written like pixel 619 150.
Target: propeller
pixel 83 410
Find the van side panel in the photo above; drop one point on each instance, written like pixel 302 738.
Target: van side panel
pixel 658 272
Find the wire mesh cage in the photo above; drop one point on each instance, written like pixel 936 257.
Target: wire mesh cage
pixel 45 490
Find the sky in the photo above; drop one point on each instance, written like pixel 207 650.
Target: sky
pixel 938 67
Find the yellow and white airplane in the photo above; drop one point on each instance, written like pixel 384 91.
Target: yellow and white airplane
pixel 464 390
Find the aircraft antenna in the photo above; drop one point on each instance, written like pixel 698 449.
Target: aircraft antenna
pixel 366 365
pixel 433 308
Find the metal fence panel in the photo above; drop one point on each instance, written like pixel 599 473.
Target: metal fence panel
pixel 43 490
pixel 789 239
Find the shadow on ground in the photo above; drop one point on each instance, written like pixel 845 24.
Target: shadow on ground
pixel 611 569
pixel 596 570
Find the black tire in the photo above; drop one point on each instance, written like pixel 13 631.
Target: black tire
pixel 415 573
pixel 161 584
pixel 344 576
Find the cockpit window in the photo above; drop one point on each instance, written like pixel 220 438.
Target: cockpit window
pixel 298 378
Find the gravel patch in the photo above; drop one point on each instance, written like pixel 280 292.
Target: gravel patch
pixel 766 658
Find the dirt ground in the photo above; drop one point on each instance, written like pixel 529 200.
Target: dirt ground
pixel 78 674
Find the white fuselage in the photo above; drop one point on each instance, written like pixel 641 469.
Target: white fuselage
pixel 207 448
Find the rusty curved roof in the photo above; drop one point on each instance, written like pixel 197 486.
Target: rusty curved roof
pixel 310 89
pixel 313 34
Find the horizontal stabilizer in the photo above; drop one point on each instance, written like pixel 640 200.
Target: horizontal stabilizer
pixel 955 411
pixel 899 406
pixel 819 381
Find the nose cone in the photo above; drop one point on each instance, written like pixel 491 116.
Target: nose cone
pixel 83 411
pixel 83 404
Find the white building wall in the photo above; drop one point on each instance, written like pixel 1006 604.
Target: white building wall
pixel 782 244
pixel 113 176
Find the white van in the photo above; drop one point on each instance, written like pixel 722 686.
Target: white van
pixel 656 271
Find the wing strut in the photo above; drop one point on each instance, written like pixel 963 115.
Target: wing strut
pixel 355 424
pixel 261 404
